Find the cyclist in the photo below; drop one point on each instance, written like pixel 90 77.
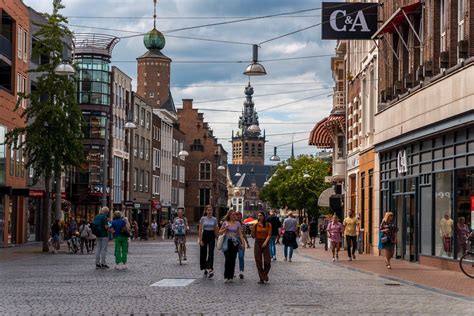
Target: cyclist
pixel 180 227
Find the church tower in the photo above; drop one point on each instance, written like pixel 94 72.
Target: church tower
pixel 248 145
pixel 153 74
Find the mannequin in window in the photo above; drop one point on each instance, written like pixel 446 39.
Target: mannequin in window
pixel 446 233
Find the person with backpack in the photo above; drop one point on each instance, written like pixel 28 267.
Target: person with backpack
pixel 304 233
pixel 121 231
pixel 276 224
pixel 262 232
pixel 100 228
pixel 84 233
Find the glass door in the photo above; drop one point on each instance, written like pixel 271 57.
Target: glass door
pixel 399 223
pixel 409 228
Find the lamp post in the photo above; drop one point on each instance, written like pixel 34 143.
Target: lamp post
pixel 181 155
pixel 129 127
pixel 63 69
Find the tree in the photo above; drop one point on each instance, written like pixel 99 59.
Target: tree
pixel 53 134
pixel 289 188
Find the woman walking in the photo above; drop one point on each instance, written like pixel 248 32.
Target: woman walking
pixel 121 231
pixel 207 234
pixel 351 231
pixel 231 229
pixel 289 237
pixel 313 232
pixel 334 231
pixel 387 237
pixel 262 232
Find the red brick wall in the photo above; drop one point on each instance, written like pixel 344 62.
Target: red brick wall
pixel 153 80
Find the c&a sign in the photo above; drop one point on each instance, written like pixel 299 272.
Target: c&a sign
pixel 348 20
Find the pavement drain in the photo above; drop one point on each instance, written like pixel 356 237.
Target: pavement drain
pixel 392 284
pixel 173 282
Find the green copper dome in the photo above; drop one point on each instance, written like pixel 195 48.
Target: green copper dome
pixel 154 40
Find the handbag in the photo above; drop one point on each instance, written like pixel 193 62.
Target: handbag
pixel 220 242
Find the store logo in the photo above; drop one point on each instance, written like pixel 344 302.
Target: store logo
pixel 402 165
pixel 348 20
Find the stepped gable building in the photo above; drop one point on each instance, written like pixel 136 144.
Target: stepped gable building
pixel 206 181
pixel 248 147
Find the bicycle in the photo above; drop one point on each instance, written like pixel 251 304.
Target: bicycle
pixel 181 247
pixel 466 263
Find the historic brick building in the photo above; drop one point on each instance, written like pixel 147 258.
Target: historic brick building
pixel 205 180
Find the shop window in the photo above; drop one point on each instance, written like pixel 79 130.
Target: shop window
pixel 444 233
pixel 465 193
pixel 426 198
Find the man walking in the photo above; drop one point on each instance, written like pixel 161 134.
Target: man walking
pixel 100 228
pixel 351 231
pixel 276 224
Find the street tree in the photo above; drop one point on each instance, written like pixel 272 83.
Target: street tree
pixel 292 189
pixel 53 133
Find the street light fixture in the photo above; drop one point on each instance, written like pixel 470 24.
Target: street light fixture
pixel 306 175
pixel 288 167
pixel 221 167
pixel 255 68
pixel 238 174
pixel 64 69
pixel 275 157
pixel 183 154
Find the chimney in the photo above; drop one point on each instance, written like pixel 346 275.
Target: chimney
pixel 187 104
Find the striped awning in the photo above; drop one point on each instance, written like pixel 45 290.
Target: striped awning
pixel 323 132
pixel 320 136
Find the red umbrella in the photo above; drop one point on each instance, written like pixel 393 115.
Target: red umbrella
pixel 248 220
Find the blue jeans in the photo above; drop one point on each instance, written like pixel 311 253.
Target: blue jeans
pixel 272 246
pixel 241 259
pixel 288 251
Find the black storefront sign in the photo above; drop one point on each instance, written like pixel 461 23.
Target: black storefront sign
pixel 348 20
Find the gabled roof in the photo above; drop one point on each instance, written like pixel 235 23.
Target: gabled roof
pixel 169 104
pixel 249 174
pixel 154 53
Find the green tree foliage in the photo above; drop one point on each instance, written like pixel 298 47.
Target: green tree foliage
pixel 289 188
pixel 53 134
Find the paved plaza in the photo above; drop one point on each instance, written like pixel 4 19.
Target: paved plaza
pixel 46 284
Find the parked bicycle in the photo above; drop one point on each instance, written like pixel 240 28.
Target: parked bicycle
pixel 466 263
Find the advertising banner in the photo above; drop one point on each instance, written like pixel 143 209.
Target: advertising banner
pixel 353 20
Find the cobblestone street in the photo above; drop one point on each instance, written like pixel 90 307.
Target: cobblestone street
pixel 69 284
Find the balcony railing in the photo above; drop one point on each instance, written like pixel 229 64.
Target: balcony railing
pixel 5 47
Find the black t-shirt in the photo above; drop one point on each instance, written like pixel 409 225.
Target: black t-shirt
pixel 55 229
pixel 275 224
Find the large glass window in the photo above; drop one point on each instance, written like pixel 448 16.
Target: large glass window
pixel 93 80
pixel 444 214
pixel 94 124
pixel 426 198
pixel 465 223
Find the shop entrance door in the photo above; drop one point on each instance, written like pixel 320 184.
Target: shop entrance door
pixel 410 228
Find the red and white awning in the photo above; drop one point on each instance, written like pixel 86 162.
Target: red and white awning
pixel 323 132
pixel 396 19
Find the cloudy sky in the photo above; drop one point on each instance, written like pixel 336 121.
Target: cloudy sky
pixel 194 77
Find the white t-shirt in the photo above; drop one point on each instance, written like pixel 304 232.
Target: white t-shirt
pixel 154 226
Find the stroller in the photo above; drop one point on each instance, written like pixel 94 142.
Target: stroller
pixel 74 243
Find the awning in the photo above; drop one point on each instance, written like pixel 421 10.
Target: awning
pixel 396 19
pixel 320 136
pixel 324 197
pixel 336 120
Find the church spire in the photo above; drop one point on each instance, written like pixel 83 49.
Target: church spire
pixel 249 115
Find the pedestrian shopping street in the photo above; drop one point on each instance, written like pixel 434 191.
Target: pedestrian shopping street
pixel 47 284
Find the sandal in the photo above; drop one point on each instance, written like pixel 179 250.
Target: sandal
pixel 388 266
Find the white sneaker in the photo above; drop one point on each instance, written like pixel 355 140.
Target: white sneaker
pixel 227 281
pixel 125 267
pixel 117 267
pixel 333 260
